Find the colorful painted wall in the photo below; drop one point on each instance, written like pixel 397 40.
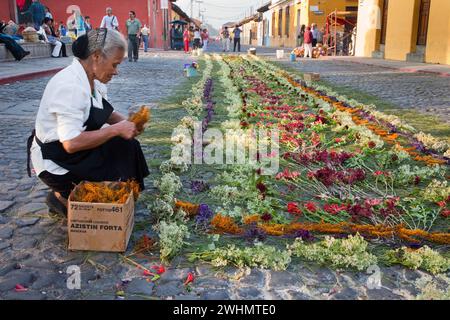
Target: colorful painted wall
pixel 402 28
pixel 147 11
pixel 438 40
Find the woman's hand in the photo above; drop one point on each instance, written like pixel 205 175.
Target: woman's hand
pixel 126 129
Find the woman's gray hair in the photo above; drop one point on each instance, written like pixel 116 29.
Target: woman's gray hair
pixel 106 40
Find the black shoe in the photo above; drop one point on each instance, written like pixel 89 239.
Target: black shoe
pixel 54 205
pixel 26 53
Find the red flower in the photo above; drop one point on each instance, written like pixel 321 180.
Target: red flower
pixel 441 204
pixel 190 278
pixel 378 173
pixel 311 206
pixel 159 269
pixel 338 140
pixel 266 217
pixel 445 213
pixel 334 208
pixel 293 208
pixel 371 144
pixel 261 187
pixel 20 288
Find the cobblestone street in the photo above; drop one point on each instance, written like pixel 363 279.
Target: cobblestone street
pixel 422 92
pixel 33 248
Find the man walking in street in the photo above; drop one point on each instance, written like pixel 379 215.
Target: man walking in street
pixel 237 38
pixel 133 26
pixel 109 21
pixel 37 11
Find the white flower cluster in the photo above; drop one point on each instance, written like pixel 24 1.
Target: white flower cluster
pixel 437 191
pixel 339 253
pixel 406 174
pixel 233 98
pixel 433 143
pixel 169 183
pixel 172 166
pixel 171 239
pixel 188 122
pixel 258 256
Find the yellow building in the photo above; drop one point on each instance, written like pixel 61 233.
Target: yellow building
pixel 288 15
pixel 407 30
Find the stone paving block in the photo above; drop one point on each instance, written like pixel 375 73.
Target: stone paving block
pixel 6 232
pixel 5 205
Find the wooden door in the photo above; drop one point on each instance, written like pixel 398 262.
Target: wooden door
pixel 384 17
pixel 424 14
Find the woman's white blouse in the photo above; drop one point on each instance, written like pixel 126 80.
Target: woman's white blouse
pixel 63 110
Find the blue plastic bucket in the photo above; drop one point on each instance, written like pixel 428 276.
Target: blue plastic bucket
pixel 191 72
pixel 293 57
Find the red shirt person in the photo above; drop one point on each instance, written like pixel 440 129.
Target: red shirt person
pixel 308 39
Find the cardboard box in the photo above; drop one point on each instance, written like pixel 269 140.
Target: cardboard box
pixel 100 226
pixel 311 76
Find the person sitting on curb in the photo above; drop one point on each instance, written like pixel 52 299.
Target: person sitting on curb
pixel 16 49
pixel 46 32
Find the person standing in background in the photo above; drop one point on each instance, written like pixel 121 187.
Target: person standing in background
pixel 37 11
pixel 308 43
pixel 133 26
pixel 186 39
pixel 145 32
pixel 314 32
pixel 225 39
pixel 48 14
pixel 205 39
pixel 301 36
pixel 87 23
pixel 237 38
pixel 197 39
pixel 110 21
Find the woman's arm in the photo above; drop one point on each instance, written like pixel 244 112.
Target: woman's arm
pixel 115 117
pixel 92 139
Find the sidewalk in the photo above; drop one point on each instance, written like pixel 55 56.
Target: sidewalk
pixel 403 66
pixel 31 68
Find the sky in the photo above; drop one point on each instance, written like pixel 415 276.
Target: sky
pixel 219 12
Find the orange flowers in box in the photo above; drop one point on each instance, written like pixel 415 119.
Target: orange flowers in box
pixel 106 192
pixel 140 118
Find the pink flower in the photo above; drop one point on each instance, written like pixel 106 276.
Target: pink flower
pixel 373 202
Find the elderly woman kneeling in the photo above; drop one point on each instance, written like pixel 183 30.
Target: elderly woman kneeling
pixel 70 142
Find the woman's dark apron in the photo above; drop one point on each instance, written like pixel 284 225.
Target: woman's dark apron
pixel 115 160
